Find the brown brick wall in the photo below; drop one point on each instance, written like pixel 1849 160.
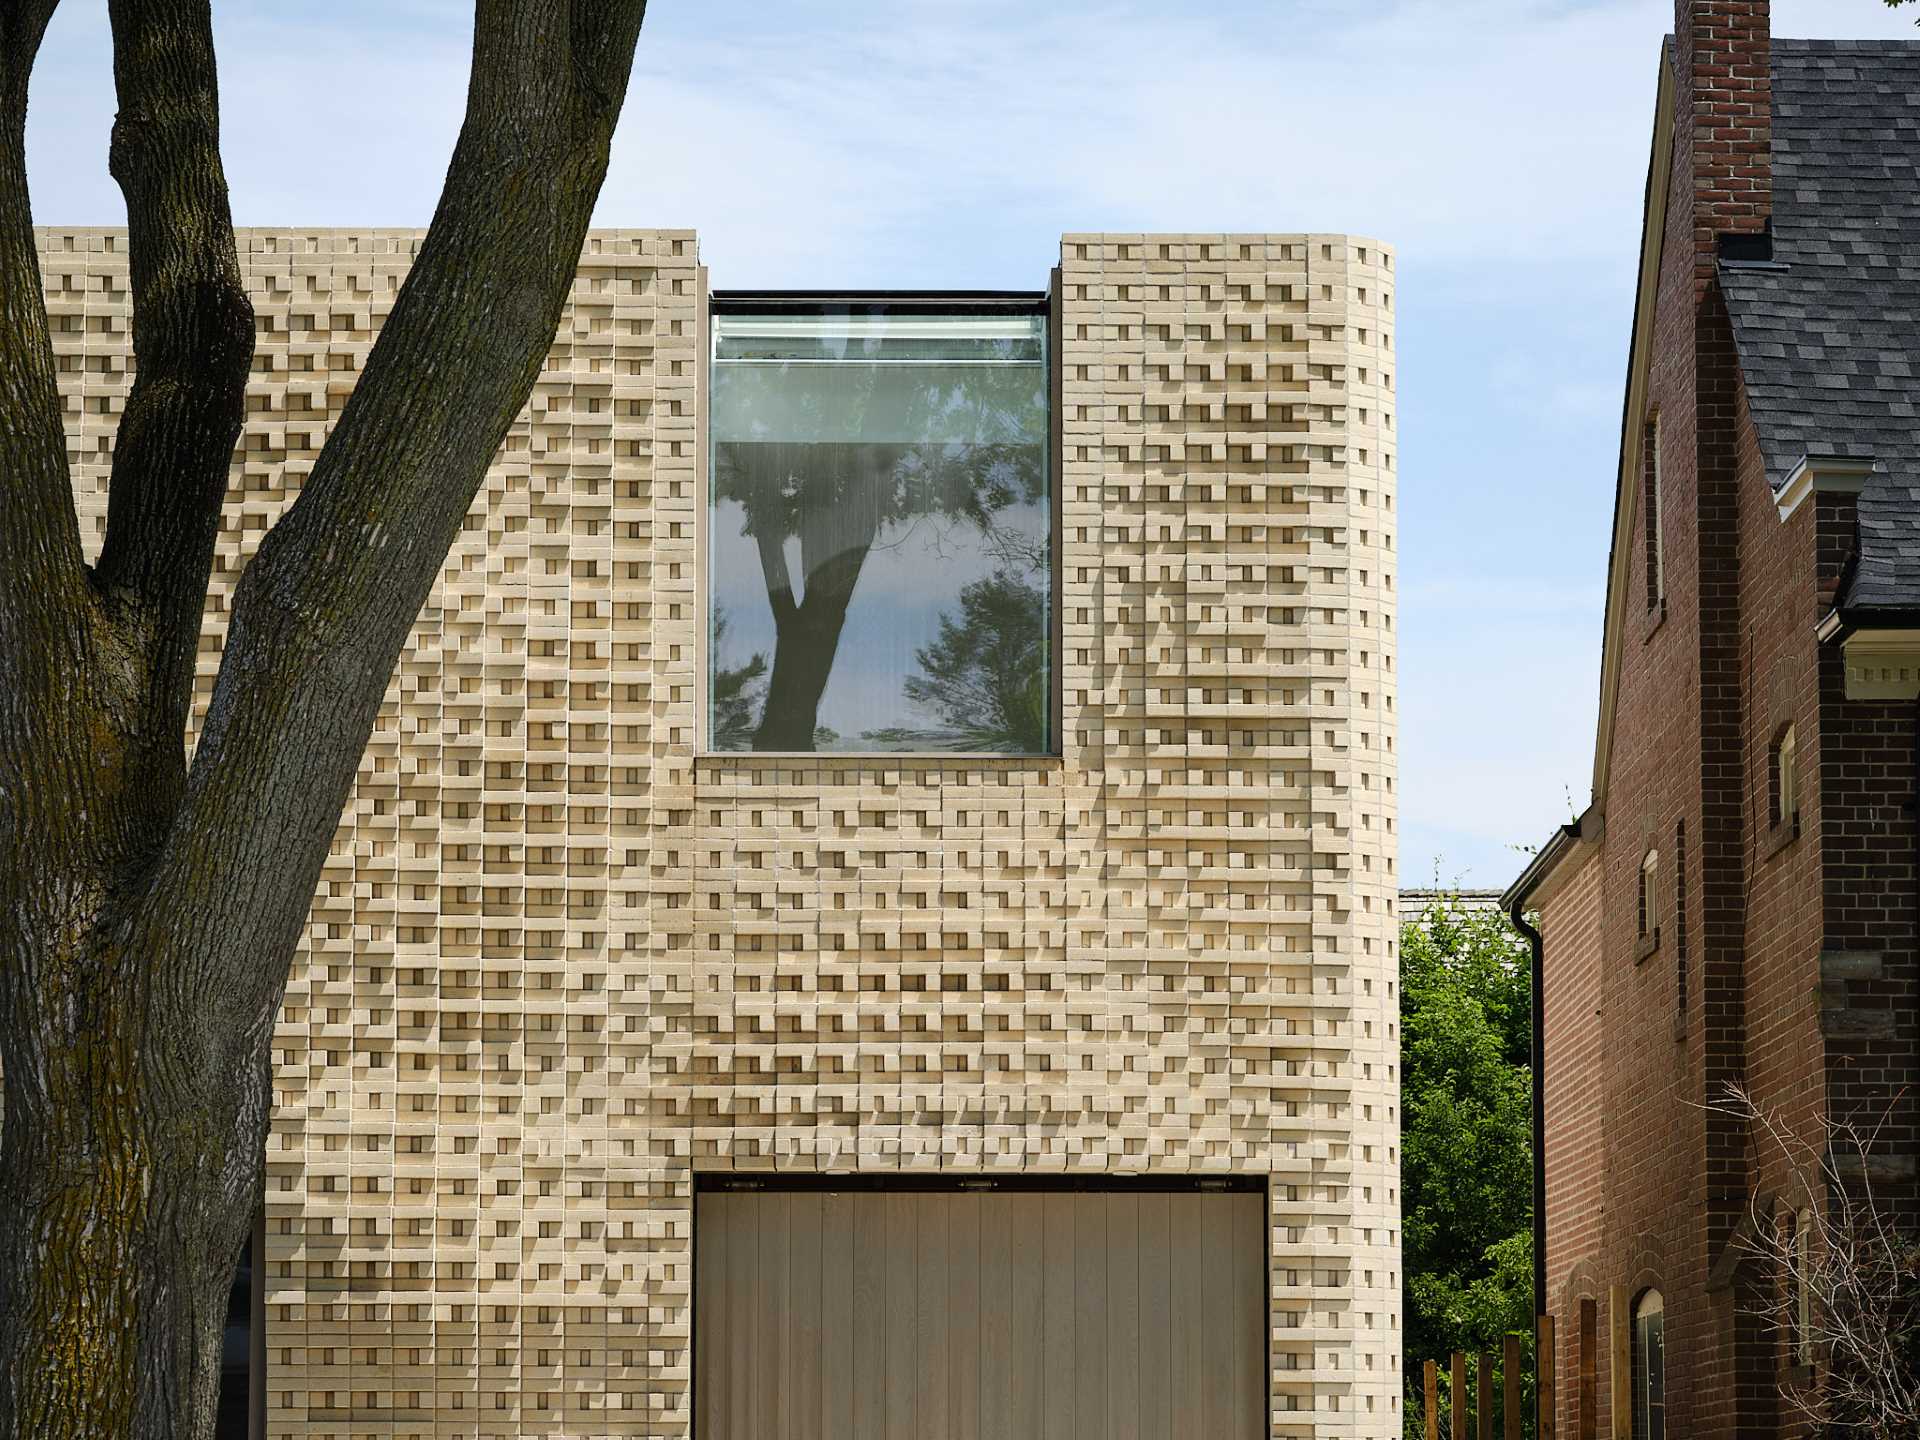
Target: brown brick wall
pixel 1667 1015
pixel 1724 83
pixel 1576 1126
pixel 1786 959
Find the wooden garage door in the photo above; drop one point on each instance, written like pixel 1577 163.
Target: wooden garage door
pixel 996 1315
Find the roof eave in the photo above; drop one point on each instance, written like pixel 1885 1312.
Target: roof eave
pixel 1539 880
pixel 1822 474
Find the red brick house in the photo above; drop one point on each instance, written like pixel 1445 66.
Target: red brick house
pixel 1738 905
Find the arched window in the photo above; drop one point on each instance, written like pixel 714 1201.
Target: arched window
pixel 1649 1367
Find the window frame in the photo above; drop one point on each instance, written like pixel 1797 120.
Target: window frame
pixel 1043 303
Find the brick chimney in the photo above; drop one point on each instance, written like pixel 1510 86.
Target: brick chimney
pixel 1724 109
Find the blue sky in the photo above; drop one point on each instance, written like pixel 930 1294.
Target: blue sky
pixel 1500 145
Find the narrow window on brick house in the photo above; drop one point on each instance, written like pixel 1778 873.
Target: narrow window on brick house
pixel 1784 774
pixel 1649 1367
pixel 1650 895
pixel 1679 929
pixel 1588 1362
pixel 1650 500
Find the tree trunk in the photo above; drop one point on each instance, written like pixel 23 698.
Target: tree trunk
pixel 149 910
pixel 806 639
pixel 835 535
pixel 129 1179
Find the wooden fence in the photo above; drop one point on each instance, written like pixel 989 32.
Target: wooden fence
pixel 1481 1410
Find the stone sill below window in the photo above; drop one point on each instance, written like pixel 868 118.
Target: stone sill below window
pixel 1649 945
pixel 1780 835
pixel 1655 617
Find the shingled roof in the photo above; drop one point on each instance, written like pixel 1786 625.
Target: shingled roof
pixel 1828 330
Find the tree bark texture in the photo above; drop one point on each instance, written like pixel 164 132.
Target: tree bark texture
pixel 149 910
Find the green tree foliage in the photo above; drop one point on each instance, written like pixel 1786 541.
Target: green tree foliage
pixel 986 675
pixel 1466 1043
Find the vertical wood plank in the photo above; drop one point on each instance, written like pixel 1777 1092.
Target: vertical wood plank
pixel 1546 1371
pixel 1186 1380
pixel 870 1299
pixel 1123 1314
pixel 774 1353
pixel 709 1310
pixel 903 1317
pixel 1057 1292
pixel 800 1406
pixel 1156 1313
pixel 838 1339
pixel 1457 1396
pixel 1431 1380
pixel 997 1320
pixel 963 1319
pixel 1027 1270
pixel 1510 1389
pixel 1090 1316
pixel 1250 1310
pixel 1483 1396
pixel 1219 1346
pixel 930 1224
pixel 1620 1361
pixel 743 1298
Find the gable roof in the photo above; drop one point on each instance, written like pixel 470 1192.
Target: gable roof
pixel 1828 330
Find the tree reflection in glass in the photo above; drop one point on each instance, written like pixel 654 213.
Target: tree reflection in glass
pixel 881 525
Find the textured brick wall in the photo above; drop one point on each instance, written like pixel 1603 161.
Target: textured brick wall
pixel 1575 1073
pixel 1724 85
pixel 559 963
pixel 1785 961
pixel 1671 1015
pixel 1869 793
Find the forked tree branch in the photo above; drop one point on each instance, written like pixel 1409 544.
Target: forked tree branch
pixel 323 610
pixel 193 343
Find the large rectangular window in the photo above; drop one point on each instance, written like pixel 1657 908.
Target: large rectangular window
pixel 880 539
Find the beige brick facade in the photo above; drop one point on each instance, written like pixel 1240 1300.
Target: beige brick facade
pixel 560 963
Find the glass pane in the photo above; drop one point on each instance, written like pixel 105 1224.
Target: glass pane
pixel 880 554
